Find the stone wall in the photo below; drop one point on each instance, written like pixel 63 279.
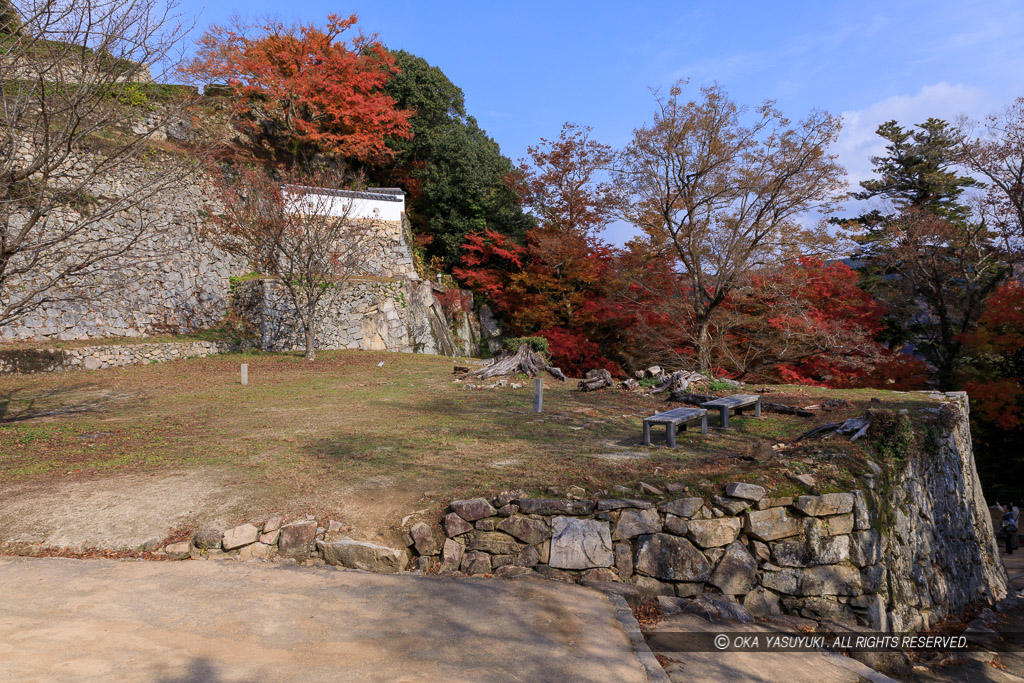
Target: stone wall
pixel 814 556
pixel 397 314
pixel 105 356
pixel 385 252
pixel 302 540
pixel 171 281
pixel 940 550
pixel 894 557
pixel 474 329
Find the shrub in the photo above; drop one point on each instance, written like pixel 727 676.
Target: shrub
pixel 538 344
pixel 575 354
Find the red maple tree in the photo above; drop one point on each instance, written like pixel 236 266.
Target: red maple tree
pixel 806 322
pixel 555 286
pixel 997 347
pixel 305 87
pixel 488 261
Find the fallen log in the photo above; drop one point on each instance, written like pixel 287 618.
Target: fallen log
pixel 666 384
pixel 818 431
pixel 855 428
pixel 678 382
pixel 556 373
pixel 786 410
pixel 691 399
pixel 596 379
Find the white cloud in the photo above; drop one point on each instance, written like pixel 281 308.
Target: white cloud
pixel 858 141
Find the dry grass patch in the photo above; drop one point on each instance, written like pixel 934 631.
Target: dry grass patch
pixel 342 436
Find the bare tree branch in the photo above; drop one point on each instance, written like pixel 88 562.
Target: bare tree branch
pixel 298 231
pixel 78 162
pixel 724 195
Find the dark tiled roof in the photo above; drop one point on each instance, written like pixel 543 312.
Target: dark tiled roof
pixel 383 194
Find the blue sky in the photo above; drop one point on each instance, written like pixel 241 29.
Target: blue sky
pixel 527 67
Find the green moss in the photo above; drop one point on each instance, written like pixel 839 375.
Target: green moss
pixel 538 344
pixel 42 49
pixel 896 437
pixel 892 434
pixel 236 281
pixel 167 91
pixel 83 202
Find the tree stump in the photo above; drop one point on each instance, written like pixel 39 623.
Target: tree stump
pixel 524 361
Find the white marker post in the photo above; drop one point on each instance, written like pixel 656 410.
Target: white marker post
pixel 245 374
pixel 538 395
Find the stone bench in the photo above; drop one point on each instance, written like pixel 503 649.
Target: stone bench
pixel 737 402
pixel 672 419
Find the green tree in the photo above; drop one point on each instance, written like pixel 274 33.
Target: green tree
pixel 926 255
pixel 918 171
pixel 454 173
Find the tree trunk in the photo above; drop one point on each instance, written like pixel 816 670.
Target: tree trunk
pixel 678 382
pixel 947 374
pixel 525 361
pixel 310 336
pixel 704 348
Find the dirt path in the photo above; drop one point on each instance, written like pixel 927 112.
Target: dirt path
pixel 113 512
pixel 105 620
pixel 123 511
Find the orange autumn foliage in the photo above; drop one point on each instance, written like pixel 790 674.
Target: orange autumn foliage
pixel 997 343
pixel 305 87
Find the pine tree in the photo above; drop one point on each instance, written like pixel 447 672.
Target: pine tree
pixel 918 172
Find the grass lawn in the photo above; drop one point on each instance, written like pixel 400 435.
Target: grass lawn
pixel 344 437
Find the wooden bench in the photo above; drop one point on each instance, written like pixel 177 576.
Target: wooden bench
pixel 737 403
pixel 672 419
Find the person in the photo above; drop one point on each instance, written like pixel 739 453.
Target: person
pixel 1008 525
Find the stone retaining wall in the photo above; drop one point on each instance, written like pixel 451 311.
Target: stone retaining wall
pixel 940 549
pixel 913 547
pixel 302 540
pixel 372 314
pixel 172 280
pixel 168 281
pixel 814 556
pixel 820 557
pixel 105 356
